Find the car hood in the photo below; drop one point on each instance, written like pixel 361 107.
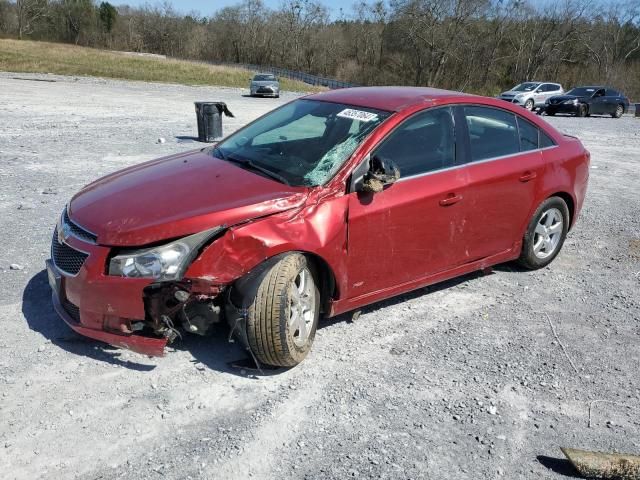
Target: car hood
pixel 562 98
pixel 176 196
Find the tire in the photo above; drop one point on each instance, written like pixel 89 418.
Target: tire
pixel 529 104
pixel 582 111
pixel 619 111
pixel 544 238
pixel 273 336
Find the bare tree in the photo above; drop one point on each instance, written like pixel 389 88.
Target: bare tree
pixel 29 12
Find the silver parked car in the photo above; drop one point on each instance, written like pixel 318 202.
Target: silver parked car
pixel 532 94
pixel 265 84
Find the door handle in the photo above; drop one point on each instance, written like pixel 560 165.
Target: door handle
pixel 450 199
pixel 526 176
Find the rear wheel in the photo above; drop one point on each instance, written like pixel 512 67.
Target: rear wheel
pixel 283 316
pixel 619 111
pixel 545 234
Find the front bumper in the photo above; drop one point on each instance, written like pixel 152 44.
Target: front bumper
pixel 265 91
pixel 561 108
pixel 100 306
pixel 137 343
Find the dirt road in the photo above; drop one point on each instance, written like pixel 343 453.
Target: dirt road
pixel 464 380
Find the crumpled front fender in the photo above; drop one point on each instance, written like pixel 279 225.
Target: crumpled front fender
pixel 319 229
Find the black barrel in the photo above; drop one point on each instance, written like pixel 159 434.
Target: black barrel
pixel 210 120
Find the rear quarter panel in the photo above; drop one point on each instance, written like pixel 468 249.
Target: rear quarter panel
pixel 567 171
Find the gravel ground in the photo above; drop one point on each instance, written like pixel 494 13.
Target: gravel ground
pixel 463 380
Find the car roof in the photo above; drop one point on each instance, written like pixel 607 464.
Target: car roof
pixel 391 99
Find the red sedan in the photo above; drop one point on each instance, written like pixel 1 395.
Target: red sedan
pixel 328 203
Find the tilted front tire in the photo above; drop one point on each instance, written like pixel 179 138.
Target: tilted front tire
pixel 283 317
pixel 545 234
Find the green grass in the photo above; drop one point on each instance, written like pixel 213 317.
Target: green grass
pixel 63 59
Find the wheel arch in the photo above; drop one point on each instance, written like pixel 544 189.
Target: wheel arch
pixel 571 204
pixel 248 283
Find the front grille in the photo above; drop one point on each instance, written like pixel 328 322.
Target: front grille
pixel 72 310
pixel 77 230
pixel 67 259
pixel 265 90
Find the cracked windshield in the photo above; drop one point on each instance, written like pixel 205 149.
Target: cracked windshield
pixel 303 143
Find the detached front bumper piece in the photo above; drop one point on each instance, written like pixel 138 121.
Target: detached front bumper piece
pixel 137 343
pixel 99 321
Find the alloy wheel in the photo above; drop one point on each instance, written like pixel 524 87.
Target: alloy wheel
pixel 548 233
pixel 302 307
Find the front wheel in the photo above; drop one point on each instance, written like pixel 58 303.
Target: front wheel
pixel 582 110
pixel 283 316
pixel 529 104
pixel 545 234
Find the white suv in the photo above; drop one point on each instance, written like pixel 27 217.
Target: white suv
pixel 531 95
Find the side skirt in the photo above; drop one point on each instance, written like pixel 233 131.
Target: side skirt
pixel 344 305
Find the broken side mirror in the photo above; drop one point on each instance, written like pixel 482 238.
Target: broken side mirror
pixel 382 172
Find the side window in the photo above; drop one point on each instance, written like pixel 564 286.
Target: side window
pixel 528 135
pixel 612 93
pixel 423 143
pixel 492 132
pixel 599 93
pixel 545 140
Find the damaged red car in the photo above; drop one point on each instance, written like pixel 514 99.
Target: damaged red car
pixel 324 205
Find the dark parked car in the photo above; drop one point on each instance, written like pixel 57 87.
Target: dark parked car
pixel 585 101
pixel 322 206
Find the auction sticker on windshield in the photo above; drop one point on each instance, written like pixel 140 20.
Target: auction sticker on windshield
pixel 357 115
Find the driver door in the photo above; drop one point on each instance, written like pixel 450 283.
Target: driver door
pixel 414 227
pixel 598 103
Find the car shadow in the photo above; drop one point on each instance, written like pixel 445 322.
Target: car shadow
pixel 560 466
pixel 348 316
pixel 214 351
pixel 42 318
pixel 187 139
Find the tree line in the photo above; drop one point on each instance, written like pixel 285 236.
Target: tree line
pixel 481 46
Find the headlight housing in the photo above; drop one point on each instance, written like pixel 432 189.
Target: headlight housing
pixel 573 101
pixel 164 262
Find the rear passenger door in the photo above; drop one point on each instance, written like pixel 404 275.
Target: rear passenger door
pixel 505 168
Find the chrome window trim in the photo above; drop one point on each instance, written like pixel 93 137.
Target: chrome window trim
pixel 471 162
pixel 486 160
